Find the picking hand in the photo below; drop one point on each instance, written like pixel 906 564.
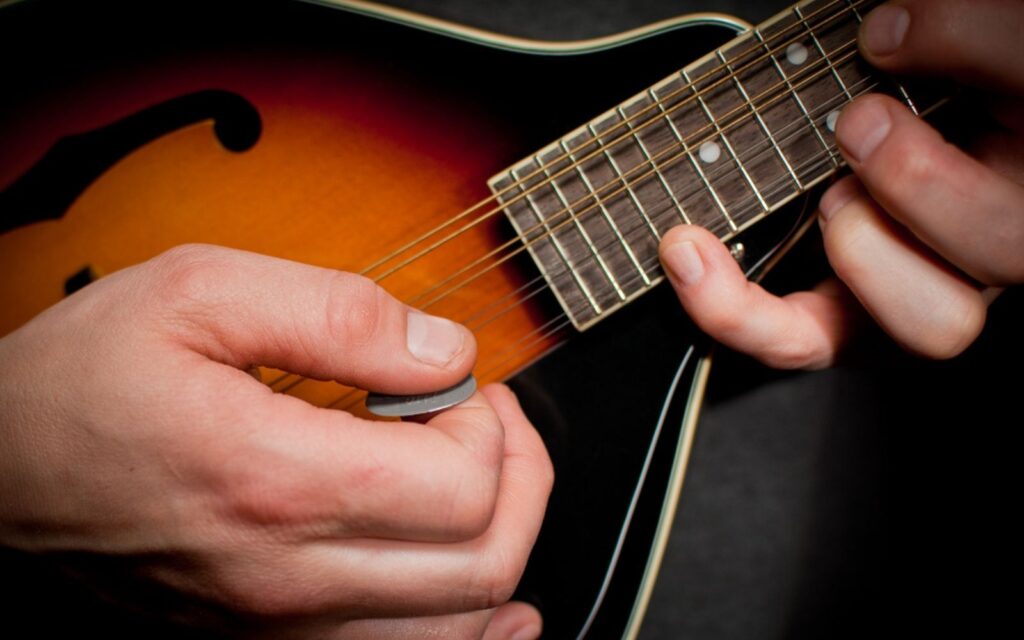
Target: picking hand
pixel 139 452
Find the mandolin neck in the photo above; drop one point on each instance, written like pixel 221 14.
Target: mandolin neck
pixel 721 143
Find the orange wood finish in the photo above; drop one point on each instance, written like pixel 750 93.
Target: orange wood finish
pixel 350 167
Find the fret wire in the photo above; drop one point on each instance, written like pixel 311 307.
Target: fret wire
pixel 663 112
pixel 767 149
pixel 825 151
pixel 604 210
pixel 650 160
pixel 725 140
pixel 661 108
pixel 760 121
pixel 546 285
pixel 495 198
pixel 799 101
pixel 897 83
pixel 686 153
pixel 821 50
pixel 696 165
pixel 629 189
pixel 579 226
pixel 561 252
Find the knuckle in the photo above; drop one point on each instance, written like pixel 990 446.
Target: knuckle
pixel 719 316
pixel 356 308
pixel 496 580
pixel 797 353
pixel 912 164
pixel 257 500
pixel 472 502
pixel 189 274
pixel 846 238
pixel 723 322
pixel 256 593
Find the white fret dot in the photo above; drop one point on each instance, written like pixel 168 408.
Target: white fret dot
pixel 796 53
pixel 830 121
pixel 710 151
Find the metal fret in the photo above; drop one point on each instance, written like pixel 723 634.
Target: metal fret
pixel 757 116
pixel 567 208
pixel 725 140
pixel 800 103
pixel 560 249
pixel 824 54
pixel 696 165
pixel 899 86
pixel 647 155
pixel 618 172
pixel 604 210
pixel 635 177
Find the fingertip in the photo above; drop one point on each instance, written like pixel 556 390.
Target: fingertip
pixel 883 31
pixel 498 392
pixel 514 621
pixel 863 127
pixel 691 255
pixel 839 195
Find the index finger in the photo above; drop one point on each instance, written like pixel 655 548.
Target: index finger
pixel 977 43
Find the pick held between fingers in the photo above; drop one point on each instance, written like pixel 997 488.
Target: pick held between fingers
pixel 801 330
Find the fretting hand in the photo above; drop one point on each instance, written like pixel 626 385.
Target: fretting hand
pixel 138 451
pixel 924 235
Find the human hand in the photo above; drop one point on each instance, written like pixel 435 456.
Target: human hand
pixel 140 454
pixel 924 235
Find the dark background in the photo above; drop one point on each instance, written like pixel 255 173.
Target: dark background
pixel 874 499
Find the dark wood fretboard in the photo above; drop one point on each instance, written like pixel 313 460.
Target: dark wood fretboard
pixel 722 143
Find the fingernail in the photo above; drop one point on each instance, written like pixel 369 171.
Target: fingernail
pixel 431 339
pixel 862 127
pixel 529 632
pixel 884 29
pixel 683 260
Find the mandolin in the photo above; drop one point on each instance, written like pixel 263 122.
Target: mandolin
pixel 517 187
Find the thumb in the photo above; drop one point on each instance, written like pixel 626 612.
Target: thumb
pixel 800 330
pixel 244 309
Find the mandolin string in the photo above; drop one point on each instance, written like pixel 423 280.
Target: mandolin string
pixel 546 332
pixel 822 157
pixel 781 91
pixel 750 103
pixel 561 321
pixel 570 215
pixel 610 145
pixel 625 126
pixel 730 170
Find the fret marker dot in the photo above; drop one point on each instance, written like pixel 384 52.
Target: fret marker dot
pixel 796 53
pixel 709 152
pixel 830 121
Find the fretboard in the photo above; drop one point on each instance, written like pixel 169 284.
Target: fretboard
pixel 721 143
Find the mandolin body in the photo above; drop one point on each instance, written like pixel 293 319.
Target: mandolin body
pixel 372 131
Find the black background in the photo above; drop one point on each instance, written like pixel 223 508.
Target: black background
pixel 872 499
